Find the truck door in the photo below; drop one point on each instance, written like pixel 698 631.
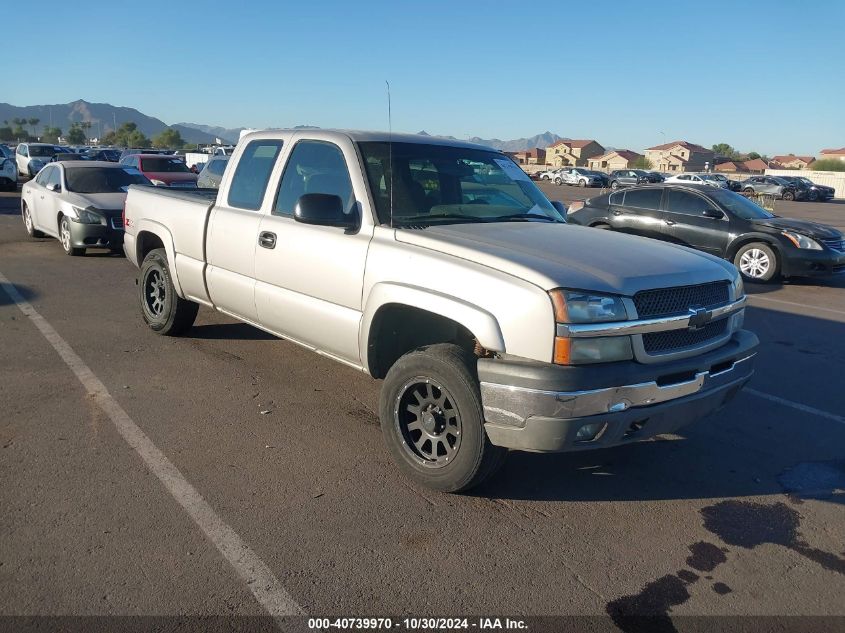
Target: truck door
pixel 233 228
pixel 309 278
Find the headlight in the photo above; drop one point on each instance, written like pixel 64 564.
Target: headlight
pixel 582 351
pixel 574 306
pixel 84 216
pixel 802 241
pixel 158 183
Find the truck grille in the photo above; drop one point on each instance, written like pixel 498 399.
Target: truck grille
pixel 677 340
pixel 836 244
pixel 664 302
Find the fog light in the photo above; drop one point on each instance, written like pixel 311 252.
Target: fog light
pixel 589 432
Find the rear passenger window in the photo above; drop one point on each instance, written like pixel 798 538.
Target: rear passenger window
pixel 686 203
pixel 314 167
pixel 648 199
pixel 252 173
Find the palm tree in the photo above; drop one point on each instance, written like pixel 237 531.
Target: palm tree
pixel 33 122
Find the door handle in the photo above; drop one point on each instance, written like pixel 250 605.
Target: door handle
pixel 617 213
pixel 267 239
pixel 670 223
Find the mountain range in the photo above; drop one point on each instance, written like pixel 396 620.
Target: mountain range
pixel 106 117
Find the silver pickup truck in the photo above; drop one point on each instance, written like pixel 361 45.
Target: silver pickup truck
pixel 439 267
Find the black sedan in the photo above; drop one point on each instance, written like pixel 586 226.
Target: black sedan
pixel 630 177
pixel 813 192
pixel 722 223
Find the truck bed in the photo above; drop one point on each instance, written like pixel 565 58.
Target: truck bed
pixel 207 195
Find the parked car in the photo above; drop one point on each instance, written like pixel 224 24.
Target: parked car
pixel 163 171
pixel 31 157
pixel 106 154
pixel 630 177
pixel 812 191
pixel 579 176
pixel 494 324
pixel 778 187
pixel 65 157
pixel 604 179
pixel 133 151
pixel 212 172
pixel 733 185
pixel 722 223
pixel 79 203
pixel 8 169
pixel 697 179
pixel 550 174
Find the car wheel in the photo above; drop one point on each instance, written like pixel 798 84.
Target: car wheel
pixel 558 181
pixel 614 184
pixel 432 419
pixel 163 310
pixel 757 262
pixel 748 190
pixel 788 195
pixel 28 223
pixel 813 196
pixel 582 183
pixel 66 238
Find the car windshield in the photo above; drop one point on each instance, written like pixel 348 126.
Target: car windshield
pixel 806 181
pixel 43 150
pixel 158 165
pixel 444 184
pixel 102 179
pixel 739 205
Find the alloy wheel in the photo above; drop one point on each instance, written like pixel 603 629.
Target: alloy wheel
pixel 154 292
pixel 428 422
pixel 27 220
pixel 754 263
pixel 65 235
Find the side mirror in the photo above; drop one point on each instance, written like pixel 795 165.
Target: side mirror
pixel 322 209
pixel 715 214
pixel 559 207
pixel 54 187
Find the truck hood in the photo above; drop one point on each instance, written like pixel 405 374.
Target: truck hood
pixel 810 229
pixel 563 255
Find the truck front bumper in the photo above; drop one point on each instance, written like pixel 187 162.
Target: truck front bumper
pixel 548 408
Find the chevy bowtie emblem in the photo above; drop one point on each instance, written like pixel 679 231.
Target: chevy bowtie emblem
pixel 698 318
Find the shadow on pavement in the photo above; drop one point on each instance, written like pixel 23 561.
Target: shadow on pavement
pixel 25 291
pixel 229 331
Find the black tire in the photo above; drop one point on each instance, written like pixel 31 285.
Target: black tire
pixel 162 309
pixel 813 196
pixel 30 225
pixel 614 184
pixel 761 272
pixel 65 237
pixel 418 377
pixel 582 183
pixel 748 190
pixel 788 195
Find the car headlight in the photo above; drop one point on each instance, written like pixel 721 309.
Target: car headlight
pixel 84 216
pixel 802 241
pixel 158 183
pixel 575 306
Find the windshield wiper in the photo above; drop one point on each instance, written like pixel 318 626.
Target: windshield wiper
pixel 418 220
pixel 525 217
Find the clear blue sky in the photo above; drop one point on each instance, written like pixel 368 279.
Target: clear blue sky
pixel 762 75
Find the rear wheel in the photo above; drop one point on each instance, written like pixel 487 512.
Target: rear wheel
pixel 748 190
pixel 582 183
pixel 558 181
pixel 788 195
pixel 432 419
pixel 163 310
pixel 614 184
pixel 66 238
pixel 757 262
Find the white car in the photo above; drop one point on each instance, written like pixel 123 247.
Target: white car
pixel 31 157
pixel 8 169
pixel 578 176
pixel 80 203
pixel 698 179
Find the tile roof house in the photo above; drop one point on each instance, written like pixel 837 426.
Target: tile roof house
pixel 614 159
pixel 535 156
pixel 791 161
pixel 566 153
pixel 755 165
pixel 680 156
pixel 833 153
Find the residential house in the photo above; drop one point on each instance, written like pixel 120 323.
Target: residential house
pixel 614 159
pixel 536 156
pixel 572 153
pixel 791 161
pixel 680 156
pixel 838 154
pixel 755 166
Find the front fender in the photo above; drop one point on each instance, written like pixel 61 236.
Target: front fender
pixel 481 323
pixel 163 233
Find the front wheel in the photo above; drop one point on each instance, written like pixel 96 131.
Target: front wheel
pixel 582 183
pixel 163 310
pixel 66 238
pixel 788 195
pixel 432 419
pixel 558 181
pixel 614 185
pixel 757 262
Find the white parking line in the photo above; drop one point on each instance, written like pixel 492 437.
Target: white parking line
pixel 796 405
pixel 253 571
pixel 803 306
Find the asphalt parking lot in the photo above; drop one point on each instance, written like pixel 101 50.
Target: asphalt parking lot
pixel 741 514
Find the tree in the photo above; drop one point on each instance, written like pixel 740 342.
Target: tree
pixel 76 135
pixel 33 122
pixel 168 138
pixel 752 155
pixel 723 149
pixel 51 134
pixel 6 133
pixel 643 163
pixel 127 135
pixel 828 164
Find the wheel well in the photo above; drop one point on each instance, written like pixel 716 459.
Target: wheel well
pixel 59 221
pixel 398 329
pixel 599 223
pixel 147 242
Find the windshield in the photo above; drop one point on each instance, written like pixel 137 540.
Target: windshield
pixel 102 179
pixel 159 165
pixel 739 205
pixel 443 184
pixel 716 177
pixel 44 150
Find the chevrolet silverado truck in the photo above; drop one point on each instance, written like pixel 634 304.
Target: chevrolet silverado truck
pixel 440 268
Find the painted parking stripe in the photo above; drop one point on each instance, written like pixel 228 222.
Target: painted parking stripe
pixel 252 570
pixel 796 405
pixel 803 306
